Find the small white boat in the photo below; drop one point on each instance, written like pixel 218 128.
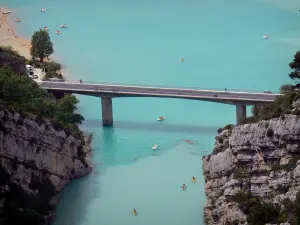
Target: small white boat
pixel 161 118
pixel 18 19
pixel 46 28
pixel 6 12
pixel 43 10
pixel 58 32
pixel 154 147
pixel 265 37
pixel 63 26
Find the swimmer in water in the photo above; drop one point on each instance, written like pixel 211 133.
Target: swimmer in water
pixel 181 59
pixel 194 179
pixel 183 187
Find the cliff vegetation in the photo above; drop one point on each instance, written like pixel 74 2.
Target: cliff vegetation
pixel 253 174
pixel 41 146
pixel 42 48
pixel 23 95
pixel 13 60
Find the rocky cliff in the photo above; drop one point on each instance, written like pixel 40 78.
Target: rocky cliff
pixel 37 161
pixel 253 174
pixel 16 63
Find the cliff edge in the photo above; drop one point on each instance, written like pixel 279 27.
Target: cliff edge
pixel 12 59
pixel 37 161
pixel 253 174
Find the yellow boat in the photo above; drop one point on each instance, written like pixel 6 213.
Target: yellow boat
pixel 134 213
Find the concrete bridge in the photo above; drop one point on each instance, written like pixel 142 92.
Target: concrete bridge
pixel 108 91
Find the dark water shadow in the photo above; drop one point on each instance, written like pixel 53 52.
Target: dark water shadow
pixel 136 125
pixel 76 198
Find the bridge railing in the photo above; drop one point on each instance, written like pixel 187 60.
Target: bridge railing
pixel 165 86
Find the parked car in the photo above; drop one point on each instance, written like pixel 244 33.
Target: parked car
pixel 28 67
pixel 33 76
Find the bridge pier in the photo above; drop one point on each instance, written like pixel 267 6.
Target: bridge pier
pixel 107 113
pixel 241 113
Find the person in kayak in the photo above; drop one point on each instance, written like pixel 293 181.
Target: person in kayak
pixel 134 212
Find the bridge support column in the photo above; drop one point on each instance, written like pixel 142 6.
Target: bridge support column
pixel 241 112
pixel 107 113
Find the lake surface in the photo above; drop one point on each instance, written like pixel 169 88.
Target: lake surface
pixel 141 42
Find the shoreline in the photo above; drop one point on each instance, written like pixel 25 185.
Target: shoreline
pixel 8 36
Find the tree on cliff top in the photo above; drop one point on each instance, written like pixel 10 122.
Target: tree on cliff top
pixel 41 45
pixel 295 65
pixel 24 95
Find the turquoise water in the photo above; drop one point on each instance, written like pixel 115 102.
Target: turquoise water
pixel 141 42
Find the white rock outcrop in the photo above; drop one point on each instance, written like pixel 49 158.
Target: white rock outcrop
pixel 251 157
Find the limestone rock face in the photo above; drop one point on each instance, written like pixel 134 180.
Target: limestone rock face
pixel 33 153
pixel 251 157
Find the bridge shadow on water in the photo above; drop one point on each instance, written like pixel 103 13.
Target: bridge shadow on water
pixel 137 125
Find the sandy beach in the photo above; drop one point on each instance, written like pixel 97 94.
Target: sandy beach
pixel 8 36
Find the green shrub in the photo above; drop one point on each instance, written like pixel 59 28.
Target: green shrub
pixel 240 173
pixel 258 213
pixel 24 95
pixel 286 88
pixel 283 217
pixel 52 66
pixel 53 74
pixel 228 127
pixel 50 74
pixel 283 104
pixel 293 209
pixel 11 51
pixel 35 63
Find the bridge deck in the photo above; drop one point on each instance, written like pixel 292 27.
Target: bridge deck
pixel 112 90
